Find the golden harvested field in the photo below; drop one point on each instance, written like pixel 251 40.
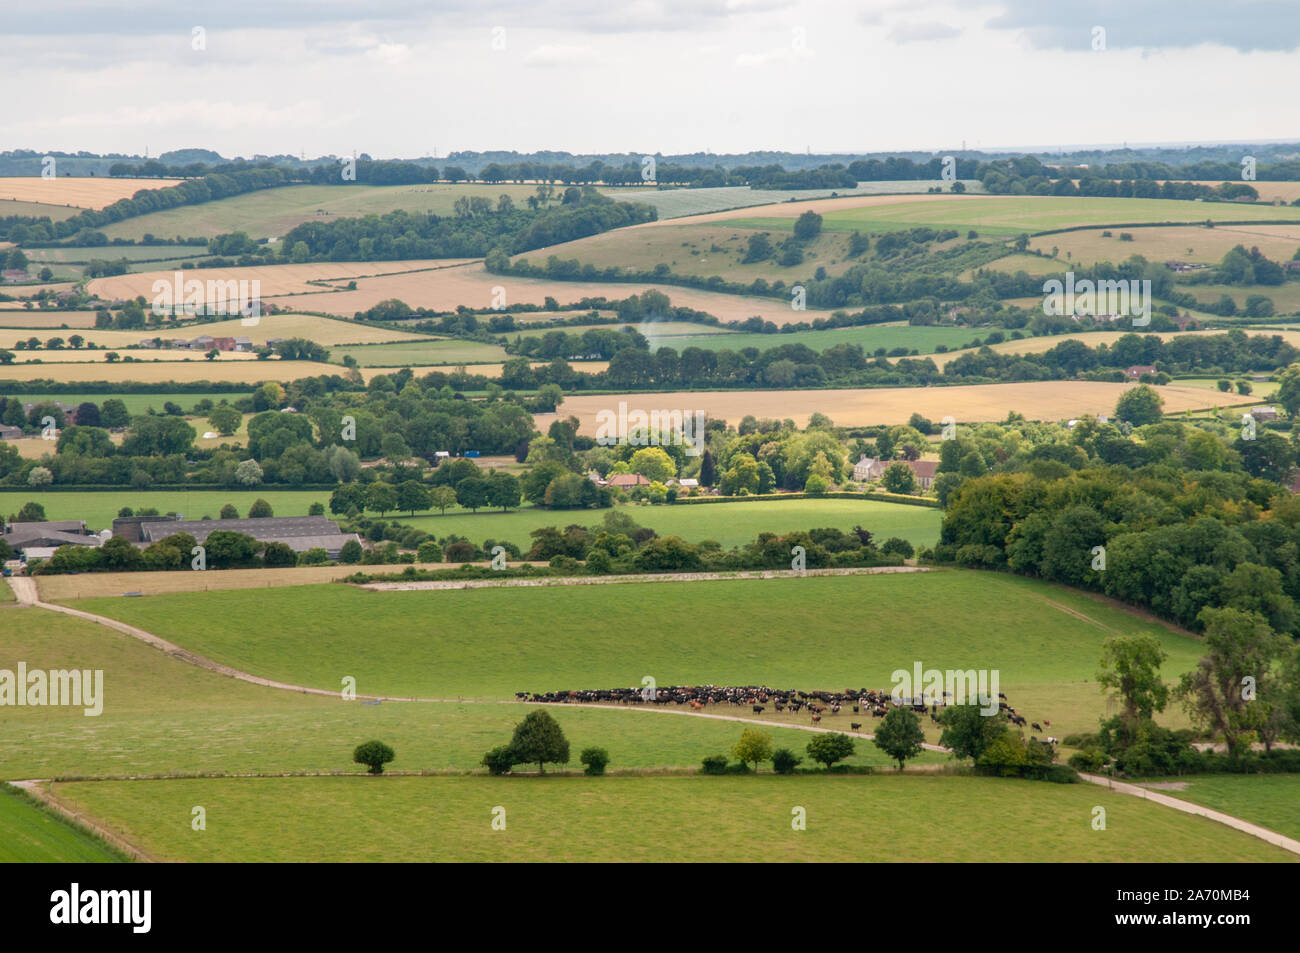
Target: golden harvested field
pixel 239 371
pixel 472 286
pixel 326 331
pixel 87 192
pixel 47 319
pixel 90 585
pixel 1049 400
pixel 1268 191
pixel 67 355
pixel 1194 244
pixel 277 280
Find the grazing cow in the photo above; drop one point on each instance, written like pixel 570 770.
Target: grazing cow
pixel 855 709
pixel 1051 740
pixel 758 709
pixel 817 716
pixel 696 706
pixel 1036 726
pixel 855 725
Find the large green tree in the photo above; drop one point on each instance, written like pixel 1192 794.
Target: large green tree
pixel 539 738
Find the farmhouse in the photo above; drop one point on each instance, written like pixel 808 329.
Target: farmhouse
pixel 10 433
pixel 625 481
pixel 299 533
pixel 869 469
pixel 1264 413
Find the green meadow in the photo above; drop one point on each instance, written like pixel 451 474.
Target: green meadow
pixel 417 353
pixel 810 633
pixel 1270 800
pixel 869 338
pixel 1008 216
pixel 882 817
pixel 136 403
pixel 30 833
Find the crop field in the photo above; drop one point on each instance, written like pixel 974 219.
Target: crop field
pixel 66 355
pixel 276 280
pixel 1270 800
pixel 195 370
pixel 326 331
pixel 1268 191
pixel 967 403
pixel 417 353
pixel 270 213
pixel 680 203
pixel 71 320
pixel 32 834
pixel 89 192
pixel 1194 244
pixel 868 337
pixel 490 643
pixel 55 213
pixel 471 285
pixel 654 329
pixel 652 819
pixel 1007 216
pixel 1285 297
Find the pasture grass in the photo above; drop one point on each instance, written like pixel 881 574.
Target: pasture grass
pixel 31 833
pixel 1270 800
pixel 908 819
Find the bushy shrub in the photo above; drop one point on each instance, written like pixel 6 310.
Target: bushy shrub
pixel 374 755
pixel 595 760
pixel 784 761
pixel 714 764
pixel 499 760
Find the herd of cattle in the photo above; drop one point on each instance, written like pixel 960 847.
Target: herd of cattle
pixel 862 701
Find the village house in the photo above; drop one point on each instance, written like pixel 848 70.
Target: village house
pixel 10 433
pixel 1264 413
pixel 870 469
pixel 625 481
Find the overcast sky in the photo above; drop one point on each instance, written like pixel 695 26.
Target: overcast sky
pixel 400 78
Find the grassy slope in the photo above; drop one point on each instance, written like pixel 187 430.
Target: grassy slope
pixel 1272 800
pixel 163 716
pixel 907 819
pixel 809 633
pixel 31 834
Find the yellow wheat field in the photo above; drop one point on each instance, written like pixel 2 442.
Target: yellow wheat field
pixel 238 371
pixel 976 403
pixel 85 192
pixel 75 320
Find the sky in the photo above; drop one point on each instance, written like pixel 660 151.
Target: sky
pixel 400 79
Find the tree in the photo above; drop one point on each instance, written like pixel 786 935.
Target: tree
pixel 472 493
pixel 225 419
pixel 249 473
pixel 654 464
pixel 539 738
pixel 279 554
pixel 1241 648
pixel 807 226
pixel 31 512
pixel 1288 391
pixel 708 470
pixel 442 497
pixel 900 735
pixel 754 745
pixel 87 414
pixel 1139 405
pixel 1130 665
pixel 412 496
pixel 967 731
pixel 374 755
pixel 40 476
pixel 595 760
pixel 113 413
pixel 344 464
pixel 503 490
pixel 381 497
pixel 784 761
pixel 227 549
pixel 500 760
pixel 898 478
pixel 828 748
pixel 429 552
pixel 350 552
pixel 260 510
pixel 228 512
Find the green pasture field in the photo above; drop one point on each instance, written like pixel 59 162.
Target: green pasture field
pixel 1260 389
pixel 908 818
pixel 1031 264
pixel 869 338
pixel 135 403
pixel 56 213
pixel 420 353
pixel 1285 297
pixel 31 834
pixel 678 203
pixel 1009 216
pixel 731 524
pixel 826 633
pixel 1189 243
pixel 1270 800
pixel 648 328
pixel 269 213
pixel 162 716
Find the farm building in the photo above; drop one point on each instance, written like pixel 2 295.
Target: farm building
pixel 1264 413
pixel 10 433
pixel 624 481
pixel 1138 370
pixel 299 533
pixel 869 469
pixel 31 539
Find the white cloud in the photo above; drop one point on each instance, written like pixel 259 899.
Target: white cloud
pixel 552 54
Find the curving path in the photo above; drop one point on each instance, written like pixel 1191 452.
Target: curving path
pixel 25 589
